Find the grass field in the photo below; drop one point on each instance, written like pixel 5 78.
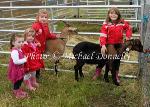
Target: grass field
pixel 64 91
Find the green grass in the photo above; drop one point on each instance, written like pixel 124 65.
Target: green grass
pixel 64 91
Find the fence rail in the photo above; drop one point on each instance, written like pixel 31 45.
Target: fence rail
pixel 72 20
pixel 79 6
pixel 12 1
pixel 80 33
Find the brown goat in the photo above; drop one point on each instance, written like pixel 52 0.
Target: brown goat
pixel 56 47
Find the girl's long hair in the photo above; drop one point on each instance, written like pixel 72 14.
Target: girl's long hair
pixel 116 10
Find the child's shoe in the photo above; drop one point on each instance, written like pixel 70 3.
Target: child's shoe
pixel 117 76
pixel 18 94
pixel 23 92
pixel 34 82
pixel 29 85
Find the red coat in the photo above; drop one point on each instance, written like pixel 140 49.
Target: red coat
pixel 113 33
pixel 34 61
pixel 45 34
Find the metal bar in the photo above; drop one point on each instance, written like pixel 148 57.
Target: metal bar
pixel 93 1
pixel 79 6
pixel 13 1
pixel 8 10
pixel 5 65
pixel 64 70
pixel 5 52
pixel 12 30
pixel 130 62
pixel 121 9
pixel 98 17
pixel 98 13
pixel 82 33
pixel 75 20
pixel 18 19
pixel 4 41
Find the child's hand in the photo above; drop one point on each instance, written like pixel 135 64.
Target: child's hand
pixel 58 36
pixel 25 42
pixel 103 49
pixel 127 38
pixel 38 44
pixel 39 32
pixel 26 57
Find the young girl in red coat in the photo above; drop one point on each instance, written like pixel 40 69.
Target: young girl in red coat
pixel 42 31
pixel 111 38
pixel 16 69
pixel 34 62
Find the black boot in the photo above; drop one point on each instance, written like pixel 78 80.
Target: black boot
pixel 38 73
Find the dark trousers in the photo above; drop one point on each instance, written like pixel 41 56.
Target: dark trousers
pixel 38 73
pixel 17 84
pixel 114 50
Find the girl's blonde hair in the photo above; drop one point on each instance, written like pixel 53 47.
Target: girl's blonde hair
pixel 113 9
pixel 29 32
pixel 13 39
pixel 41 11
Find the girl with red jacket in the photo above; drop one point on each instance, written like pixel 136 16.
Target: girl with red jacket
pixel 111 37
pixel 34 61
pixel 42 31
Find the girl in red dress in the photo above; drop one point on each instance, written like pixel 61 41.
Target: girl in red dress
pixel 34 62
pixel 16 70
